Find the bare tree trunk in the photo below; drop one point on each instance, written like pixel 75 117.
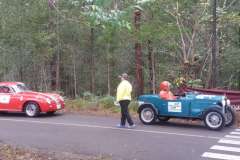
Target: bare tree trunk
pixel 74 75
pixel 58 56
pixel 92 62
pixel 239 47
pixel 138 57
pixel 45 81
pixel 108 79
pixel 238 80
pixel 115 4
pixel 151 68
pixel 57 72
pixel 239 34
pixel 154 73
pixel 213 80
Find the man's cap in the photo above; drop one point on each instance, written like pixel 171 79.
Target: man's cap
pixel 123 75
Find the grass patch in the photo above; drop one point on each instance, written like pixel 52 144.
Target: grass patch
pixel 107 102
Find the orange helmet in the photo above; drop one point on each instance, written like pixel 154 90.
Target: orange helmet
pixel 165 85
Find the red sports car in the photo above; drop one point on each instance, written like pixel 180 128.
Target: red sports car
pixel 15 97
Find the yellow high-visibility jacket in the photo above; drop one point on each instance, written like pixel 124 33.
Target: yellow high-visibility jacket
pixel 124 91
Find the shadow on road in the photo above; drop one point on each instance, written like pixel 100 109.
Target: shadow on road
pixel 185 125
pixel 14 114
pixel 181 124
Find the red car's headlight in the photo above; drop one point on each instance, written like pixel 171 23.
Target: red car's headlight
pixel 61 98
pixel 48 100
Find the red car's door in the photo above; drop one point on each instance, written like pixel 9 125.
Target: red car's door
pixel 9 101
pixel 4 98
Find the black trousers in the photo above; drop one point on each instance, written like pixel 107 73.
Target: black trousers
pixel 125 113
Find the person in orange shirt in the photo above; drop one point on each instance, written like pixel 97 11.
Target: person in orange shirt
pixel 165 92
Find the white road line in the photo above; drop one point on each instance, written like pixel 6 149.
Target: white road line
pixel 237 133
pixel 220 156
pixel 225 148
pixel 238 130
pixel 230 136
pixel 107 127
pixel 227 141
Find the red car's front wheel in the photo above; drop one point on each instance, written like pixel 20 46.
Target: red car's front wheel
pixel 32 109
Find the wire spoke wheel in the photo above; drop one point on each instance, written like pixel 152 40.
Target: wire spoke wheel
pixel 214 120
pixel 229 116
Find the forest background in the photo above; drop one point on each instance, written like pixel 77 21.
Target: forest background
pixel 79 47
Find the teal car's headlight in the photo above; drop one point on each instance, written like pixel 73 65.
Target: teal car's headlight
pixel 228 102
pixel 223 103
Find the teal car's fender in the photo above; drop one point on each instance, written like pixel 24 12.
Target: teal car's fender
pixel 211 108
pixel 150 105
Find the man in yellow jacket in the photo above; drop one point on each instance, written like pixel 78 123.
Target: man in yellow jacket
pixel 124 91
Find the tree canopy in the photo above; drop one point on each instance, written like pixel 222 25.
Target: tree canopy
pixel 79 46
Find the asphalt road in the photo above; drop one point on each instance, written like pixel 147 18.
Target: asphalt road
pixel 98 136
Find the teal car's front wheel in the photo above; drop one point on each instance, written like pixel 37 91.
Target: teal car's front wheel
pixel 214 120
pixel 147 115
pixel 229 117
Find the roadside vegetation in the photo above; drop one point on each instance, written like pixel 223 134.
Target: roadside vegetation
pixel 8 152
pixel 93 105
pixel 78 46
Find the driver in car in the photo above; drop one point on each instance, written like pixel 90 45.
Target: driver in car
pixel 165 92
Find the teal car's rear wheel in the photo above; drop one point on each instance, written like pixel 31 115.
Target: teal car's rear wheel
pixel 229 116
pixel 147 115
pixel 214 120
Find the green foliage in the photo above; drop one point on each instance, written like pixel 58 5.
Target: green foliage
pixel 133 106
pixel 196 83
pixel 88 96
pixel 95 39
pixel 106 102
pixel 77 103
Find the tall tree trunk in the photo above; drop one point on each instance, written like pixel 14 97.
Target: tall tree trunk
pixel 138 56
pixel 58 55
pixel 115 4
pixel 213 80
pixel 108 78
pixel 239 47
pixel 239 35
pixel 45 81
pixel 238 80
pixel 74 75
pixel 58 72
pixel 151 64
pixel 92 61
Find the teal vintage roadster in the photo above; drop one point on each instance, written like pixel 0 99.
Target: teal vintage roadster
pixel 214 110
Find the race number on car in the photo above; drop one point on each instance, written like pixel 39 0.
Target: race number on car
pixel 174 107
pixel 5 99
